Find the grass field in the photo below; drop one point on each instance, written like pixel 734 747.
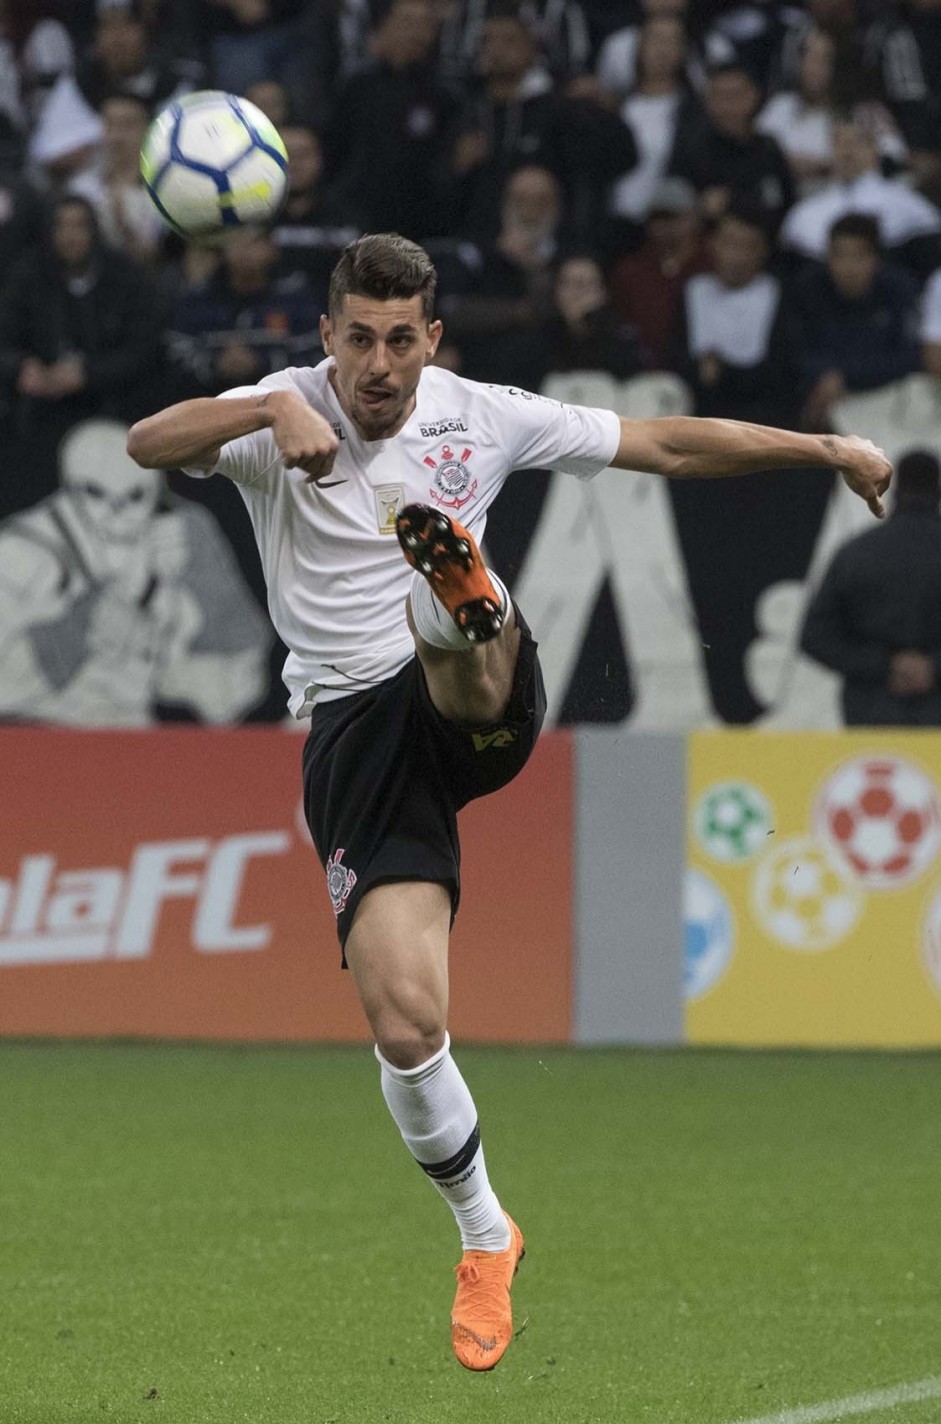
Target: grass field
pixel 210 1235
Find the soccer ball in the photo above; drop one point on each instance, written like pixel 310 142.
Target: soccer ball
pixel 213 162
pixel 709 934
pixel 802 898
pixel 882 818
pixel 732 821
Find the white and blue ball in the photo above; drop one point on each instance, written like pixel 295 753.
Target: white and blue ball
pixel 213 163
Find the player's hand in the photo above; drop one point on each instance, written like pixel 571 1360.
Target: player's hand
pixel 865 468
pixel 306 441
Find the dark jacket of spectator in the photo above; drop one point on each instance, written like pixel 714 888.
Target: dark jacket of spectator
pixel 878 612
pixel 725 157
pixel 103 315
pixel 580 332
pixel 604 344
pixel 387 147
pixel 216 19
pixel 755 167
pixel 585 145
pixel 516 118
pixel 908 46
pixel 245 323
pixel 870 341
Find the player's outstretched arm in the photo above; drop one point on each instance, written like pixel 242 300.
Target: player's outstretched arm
pixel 688 447
pixel 193 432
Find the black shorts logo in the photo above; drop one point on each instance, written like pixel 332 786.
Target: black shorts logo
pixel 340 881
pixel 502 737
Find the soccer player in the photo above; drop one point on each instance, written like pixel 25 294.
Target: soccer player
pixel 418 673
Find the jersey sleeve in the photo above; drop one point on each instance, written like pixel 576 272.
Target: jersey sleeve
pixel 247 459
pixel 543 434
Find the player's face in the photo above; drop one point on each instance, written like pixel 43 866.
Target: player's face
pixel 379 349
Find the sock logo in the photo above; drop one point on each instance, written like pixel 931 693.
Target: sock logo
pixel 340 881
pixel 454 486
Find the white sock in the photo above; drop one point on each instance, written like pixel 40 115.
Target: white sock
pixel 435 1114
pixel 433 621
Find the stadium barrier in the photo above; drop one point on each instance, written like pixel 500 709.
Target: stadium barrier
pixel 737 887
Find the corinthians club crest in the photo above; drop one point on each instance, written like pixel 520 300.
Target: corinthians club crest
pixel 454 484
pixel 340 882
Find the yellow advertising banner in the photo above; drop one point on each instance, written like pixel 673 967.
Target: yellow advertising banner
pixel 813 891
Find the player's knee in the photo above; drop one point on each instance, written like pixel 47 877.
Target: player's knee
pixel 411 1031
pixel 409 1048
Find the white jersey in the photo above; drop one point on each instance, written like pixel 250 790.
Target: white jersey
pixel 337 580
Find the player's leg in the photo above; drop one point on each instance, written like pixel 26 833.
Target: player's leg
pixel 397 952
pixel 460 616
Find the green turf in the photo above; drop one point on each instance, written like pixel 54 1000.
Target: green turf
pixel 711 1236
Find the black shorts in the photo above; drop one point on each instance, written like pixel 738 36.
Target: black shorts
pixel 385 775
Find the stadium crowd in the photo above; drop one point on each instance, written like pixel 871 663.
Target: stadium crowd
pixel 748 194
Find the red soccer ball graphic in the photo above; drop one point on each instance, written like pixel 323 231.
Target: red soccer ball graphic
pixel 882 817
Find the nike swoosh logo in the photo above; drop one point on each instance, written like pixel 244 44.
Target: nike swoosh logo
pixel 323 483
pixel 478 1340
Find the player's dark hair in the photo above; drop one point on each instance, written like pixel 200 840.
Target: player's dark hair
pixel 862 225
pixel 386 267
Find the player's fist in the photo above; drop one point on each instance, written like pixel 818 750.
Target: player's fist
pixel 866 469
pixel 305 439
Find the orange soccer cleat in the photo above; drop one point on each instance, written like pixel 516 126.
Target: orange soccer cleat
pixel 482 1316
pixel 449 558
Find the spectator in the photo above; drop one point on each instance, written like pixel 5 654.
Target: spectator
pixel 617 58
pixel 854 75
pixel 738 346
pixel 65 141
pixel 737 350
pixel 908 43
pixel 387 148
pixel 245 322
pixel 876 617
pixel 727 158
pixel 561 28
pixel 35 49
pixel 21 207
pixel 124 59
pixel 801 120
pixel 857 319
pixel 127 217
pixel 308 233
pixel 250 41
pixel 931 325
pixel 78 337
pixel 658 103
pixel 908 222
pixel 581 332
pixel 517 119
pixel 513 276
pixel 647 285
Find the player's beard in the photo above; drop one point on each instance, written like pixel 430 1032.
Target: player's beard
pixel 382 418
